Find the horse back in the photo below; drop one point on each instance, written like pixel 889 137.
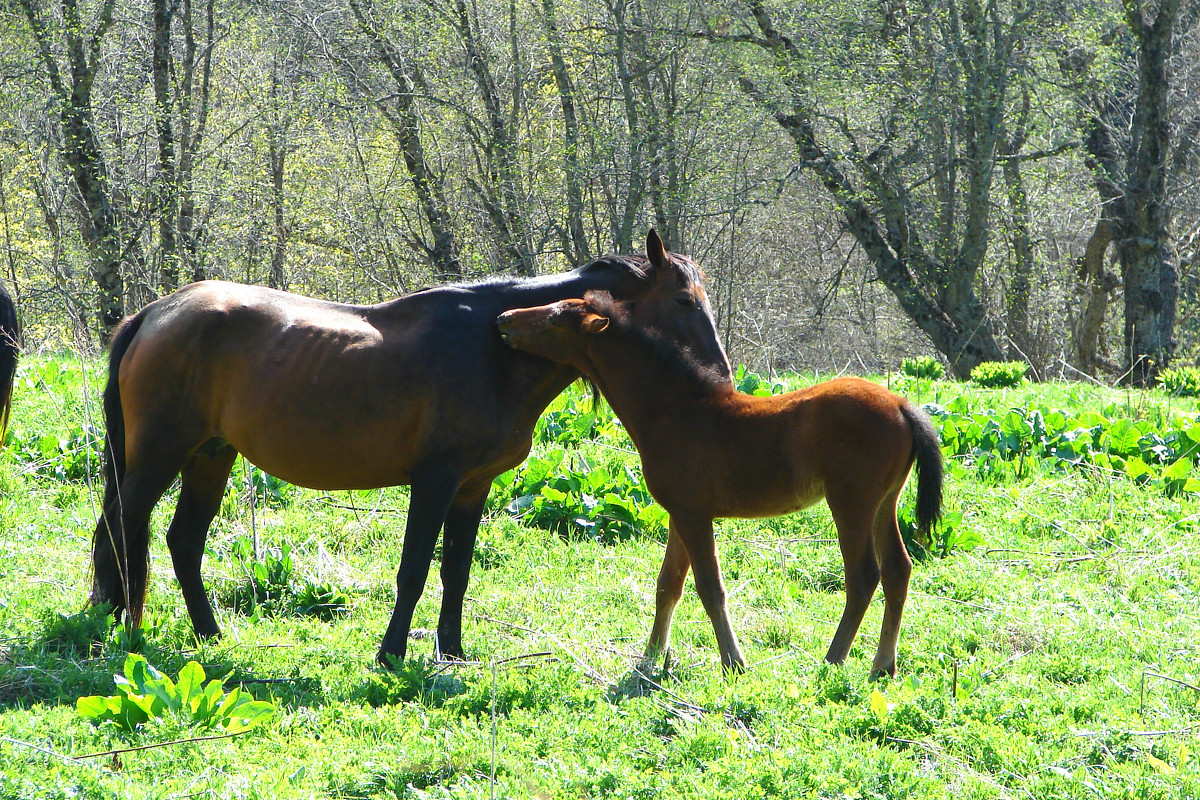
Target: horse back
pixel 323 394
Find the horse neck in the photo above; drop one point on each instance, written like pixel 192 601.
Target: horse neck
pixel 648 394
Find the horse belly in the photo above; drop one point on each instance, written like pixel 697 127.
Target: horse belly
pixel 311 447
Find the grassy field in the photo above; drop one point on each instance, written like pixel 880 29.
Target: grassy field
pixel 1050 646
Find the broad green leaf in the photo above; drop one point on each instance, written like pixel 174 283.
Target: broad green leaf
pixel 191 679
pixel 1136 468
pixel 1177 471
pixel 879 705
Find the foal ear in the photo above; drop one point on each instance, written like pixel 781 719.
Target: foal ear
pixel 593 323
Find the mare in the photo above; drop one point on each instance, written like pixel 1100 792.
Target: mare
pixel 9 337
pixel 710 451
pixel 419 391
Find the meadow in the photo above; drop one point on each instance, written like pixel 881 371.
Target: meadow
pixel 1050 646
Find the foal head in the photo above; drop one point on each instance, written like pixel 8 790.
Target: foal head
pixel 674 314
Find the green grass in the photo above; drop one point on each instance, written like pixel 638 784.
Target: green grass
pixel 1058 659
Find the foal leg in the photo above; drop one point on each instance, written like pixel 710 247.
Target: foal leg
pixel 432 493
pixel 853 519
pixel 458 547
pixel 895 569
pixel 696 535
pixel 203 486
pixel 670 588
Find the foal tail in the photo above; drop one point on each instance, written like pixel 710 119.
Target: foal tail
pixel 930 472
pixel 110 580
pixel 9 333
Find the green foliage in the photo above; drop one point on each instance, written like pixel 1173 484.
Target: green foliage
pixel 749 382
pixel 146 695
pixel 579 419
pixel 77 456
pixel 1180 381
pixel 273 587
pixel 948 536
pixel 926 367
pixel 76 634
pixel 999 374
pixel 1009 444
pixel 584 500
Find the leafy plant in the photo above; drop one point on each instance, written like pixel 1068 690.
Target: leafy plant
pixel 926 367
pixel 580 419
pixel 1180 381
pixel 948 536
pixel 146 695
pixel 590 501
pixel 749 382
pixel 1011 443
pixel 272 586
pixel 77 456
pixel 999 374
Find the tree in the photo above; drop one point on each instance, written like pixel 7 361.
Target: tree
pixel 915 189
pixel 108 232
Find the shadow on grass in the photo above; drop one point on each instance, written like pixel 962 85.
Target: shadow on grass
pixel 418 679
pixel 77 655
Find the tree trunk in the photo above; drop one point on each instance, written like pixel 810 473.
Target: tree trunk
pixel 1145 246
pixel 81 151
pixel 401 114
pixel 574 241
pixel 161 14
pixel 1097 284
pixel 936 292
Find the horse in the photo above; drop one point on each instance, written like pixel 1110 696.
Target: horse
pixel 419 391
pixel 9 350
pixel 709 451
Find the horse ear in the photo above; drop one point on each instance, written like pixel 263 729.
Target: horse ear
pixel 593 323
pixel 656 252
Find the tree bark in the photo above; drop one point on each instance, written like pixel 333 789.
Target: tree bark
pixel 81 151
pixel 401 114
pixel 574 241
pixel 162 13
pixel 1097 285
pixel 1145 246
pixel 936 292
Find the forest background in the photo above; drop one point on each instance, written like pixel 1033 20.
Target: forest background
pixel 1014 179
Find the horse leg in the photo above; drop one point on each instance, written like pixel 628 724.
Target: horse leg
pixel 696 534
pixel 120 548
pixel 670 588
pixel 202 488
pixel 895 568
pixel 458 548
pixel 853 520
pixel 430 499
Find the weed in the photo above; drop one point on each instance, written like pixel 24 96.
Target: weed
pixel 999 374
pixel 146 695
pixel 925 367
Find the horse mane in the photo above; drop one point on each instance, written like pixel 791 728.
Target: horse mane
pixel 666 352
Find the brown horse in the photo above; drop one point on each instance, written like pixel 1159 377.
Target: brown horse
pixel 710 451
pixel 417 391
pixel 9 339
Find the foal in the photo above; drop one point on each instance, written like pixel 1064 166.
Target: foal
pixel 710 451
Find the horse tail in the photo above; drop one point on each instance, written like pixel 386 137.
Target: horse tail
pixel 108 580
pixel 9 338
pixel 927 447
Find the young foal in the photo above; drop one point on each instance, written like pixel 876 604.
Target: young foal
pixel 709 451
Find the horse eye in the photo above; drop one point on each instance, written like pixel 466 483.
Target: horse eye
pixel 685 300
